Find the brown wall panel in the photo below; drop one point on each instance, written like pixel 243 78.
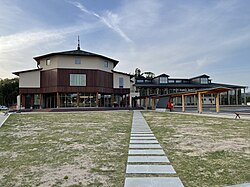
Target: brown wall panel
pixel 95 78
pixel 49 78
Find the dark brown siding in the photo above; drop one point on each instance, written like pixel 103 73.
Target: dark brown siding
pixel 58 80
pixel 95 78
pixel 49 78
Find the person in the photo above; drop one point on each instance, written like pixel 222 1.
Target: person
pixel 170 105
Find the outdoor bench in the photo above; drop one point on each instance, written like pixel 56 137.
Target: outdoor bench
pixel 241 113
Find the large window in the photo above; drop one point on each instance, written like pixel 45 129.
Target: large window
pixel 121 82
pixel 204 80
pixel 77 80
pixel 163 80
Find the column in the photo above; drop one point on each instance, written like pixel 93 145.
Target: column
pixel 20 101
pixel 41 101
pixel 97 101
pixel 77 99
pixel 236 96
pixel 146 103
pixel 200 103
pixel 228 98
pixel 245 97
pixel 153 103
pixel 57 100
pixel 112 100
pixel 217 102
pixel 140 101
pixel 183 102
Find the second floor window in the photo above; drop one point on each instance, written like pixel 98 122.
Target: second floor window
pixel 106 64
pixel 163 80
pixel 121 82
pixel 204 80
pixel 47 62
pixel 77 79
pixel 77 60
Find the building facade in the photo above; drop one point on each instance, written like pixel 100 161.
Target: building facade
pixel 74 78
pixel 149 85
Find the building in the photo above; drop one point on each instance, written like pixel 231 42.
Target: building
pixel 74 78
pixel 149 85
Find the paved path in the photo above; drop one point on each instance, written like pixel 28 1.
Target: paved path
pixel 3 118
pixel 147 165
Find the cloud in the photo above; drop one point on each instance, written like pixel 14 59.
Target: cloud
pixel 111 20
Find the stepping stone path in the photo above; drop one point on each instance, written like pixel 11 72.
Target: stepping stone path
pixel 147 165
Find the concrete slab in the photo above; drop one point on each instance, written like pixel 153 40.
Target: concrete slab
pixel 153 182
pixel 241 185
pixel 150 169
pixel 145 135
pixel 144 141
pixel 143 138
pixel 144 146
pixel 133 159
pixel 3 118
pixel 140 132
pixel 146 152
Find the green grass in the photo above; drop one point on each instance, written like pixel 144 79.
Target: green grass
pixel 205 151
pixel 64 149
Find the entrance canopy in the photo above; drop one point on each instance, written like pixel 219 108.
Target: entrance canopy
pixel 199 94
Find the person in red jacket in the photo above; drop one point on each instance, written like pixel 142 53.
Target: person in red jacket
pixel 170 105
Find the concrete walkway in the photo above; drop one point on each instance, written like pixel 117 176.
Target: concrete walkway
pixel 3 118
pixel 147 165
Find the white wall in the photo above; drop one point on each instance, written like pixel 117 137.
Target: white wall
pixel 126 79
pixel 29 79
pixel 61 61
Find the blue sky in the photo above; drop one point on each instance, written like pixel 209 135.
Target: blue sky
pixel 182 38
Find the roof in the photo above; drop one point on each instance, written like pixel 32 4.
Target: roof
pixel 75 53
pixel 204 75
pixel 121 73
pixel 162 75
pixel 26 71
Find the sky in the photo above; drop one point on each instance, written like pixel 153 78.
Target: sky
pixel 181 38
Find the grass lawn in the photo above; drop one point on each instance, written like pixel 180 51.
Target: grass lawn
pixel 205 151
pixel 65 149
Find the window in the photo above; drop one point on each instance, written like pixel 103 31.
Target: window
pixel 77 60
pixel 170 81
pixel 121 82
pixel 204 80
pixel 47 62
pixel 163 80
pixel 77 80
pixel 139 81
pixel 106 64
pixel 178 81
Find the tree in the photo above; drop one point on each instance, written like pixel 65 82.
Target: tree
pixel 8 91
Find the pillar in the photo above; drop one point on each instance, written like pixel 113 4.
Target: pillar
pixel 140 101
pixel 236 96
pixel 77 99
pixel 41 101
pixel 57 100
pixel 217 102
pixel 183 102
pixel 153 103
pixel 200 103
pixel 245 97
pixel 112 100
pixel 146 103
pixel 96 98
pixel 228 98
